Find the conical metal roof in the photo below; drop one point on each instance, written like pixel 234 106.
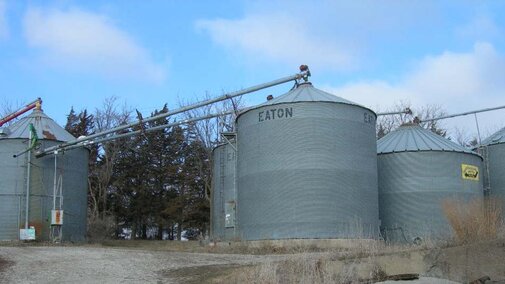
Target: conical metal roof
pixel 413 138
pixel 46 128
pixel 497 138
pixel 305 92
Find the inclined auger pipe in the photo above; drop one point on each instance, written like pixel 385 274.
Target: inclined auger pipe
pixel 303 74
pixel 154 128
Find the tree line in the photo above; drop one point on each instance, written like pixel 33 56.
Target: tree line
pixel 155 185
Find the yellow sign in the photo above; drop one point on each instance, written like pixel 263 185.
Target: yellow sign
pixel 469 172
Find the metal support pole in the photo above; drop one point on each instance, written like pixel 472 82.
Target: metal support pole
pixel 477 124
pixel 28 174
pixel 55 178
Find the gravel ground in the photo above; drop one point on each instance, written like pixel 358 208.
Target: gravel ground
pixel 107 265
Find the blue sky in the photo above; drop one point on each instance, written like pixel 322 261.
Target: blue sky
pixel 147 53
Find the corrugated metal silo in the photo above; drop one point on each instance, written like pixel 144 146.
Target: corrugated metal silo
pixel 224 193
pixel 72 166
pixel 418 171
pixel 493 150
pixel 307 168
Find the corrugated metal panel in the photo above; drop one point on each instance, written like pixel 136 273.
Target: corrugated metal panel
pixel 229 191
pixel 74 167
pixel 412 137
pixel 45 126
pixel 308 171
pixel 223 193
pixel 494 154
pixel 12 188
pixel 305 92
pixel 9 214
pixel 496 138
pixel 217 214
pixel 413 184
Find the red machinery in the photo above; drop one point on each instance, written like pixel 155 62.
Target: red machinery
pixel 32 105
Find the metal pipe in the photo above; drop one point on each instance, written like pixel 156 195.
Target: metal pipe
pixel 478 129
pixel 463 113
pixel 28 174
pixel 159 127
pixel 303 74
pixel 60 187
pixel 55 178
pixel 405 111
pixel 19 112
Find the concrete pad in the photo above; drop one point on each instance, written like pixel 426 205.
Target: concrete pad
pixel 422 280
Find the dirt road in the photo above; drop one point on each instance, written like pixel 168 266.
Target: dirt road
pixel 111 265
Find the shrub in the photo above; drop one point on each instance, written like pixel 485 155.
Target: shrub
pixel 473 220
pixel 100 229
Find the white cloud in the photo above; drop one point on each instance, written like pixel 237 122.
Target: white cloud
pixel 280 37
pixel 457 82
pixel 89 42
pixel 480 28
pixel 329 35
pixel 4 30
pixel 470 78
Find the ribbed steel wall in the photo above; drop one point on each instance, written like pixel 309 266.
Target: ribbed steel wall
pixel 12 188
pixel 413 186
pixel 73 166
pixel 223 181
pixel 309 174
pixel 496 162
pixel 217 210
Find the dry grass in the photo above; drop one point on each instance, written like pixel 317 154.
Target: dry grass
pixel 302 268
pixel 356 265
pixel 309 268
pixel 474 220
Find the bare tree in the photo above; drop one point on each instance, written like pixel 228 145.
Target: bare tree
pixel 109 116
pixel 208 131
pixel 431 111
pixel 464 139
pixel 388 123
pixel 8 107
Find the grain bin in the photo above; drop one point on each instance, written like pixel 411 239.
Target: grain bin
pixel 307 168
pixel 493 150
pixel 223 191
pixel 72 166
pixel 418 171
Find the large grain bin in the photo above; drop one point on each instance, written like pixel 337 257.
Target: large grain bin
pixel 223 192
pixel 307 168
pixel 72 166
pixel 419 171
pixel 493 150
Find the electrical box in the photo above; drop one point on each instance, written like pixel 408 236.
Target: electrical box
pixel 57 217
pixel 27 234
pixel 229 214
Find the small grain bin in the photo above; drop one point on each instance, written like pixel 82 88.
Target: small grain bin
pixel 223 191
pixel 493 150
pixel 307 168
pixel 419 171
pixel 72 167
